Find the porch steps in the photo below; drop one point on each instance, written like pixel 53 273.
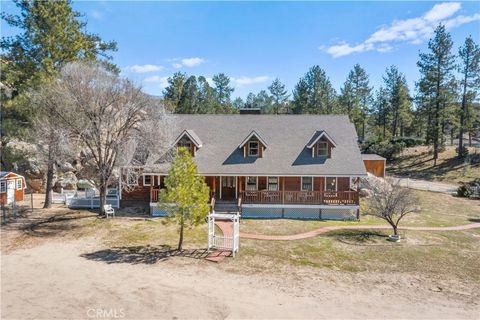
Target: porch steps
pixel 218 255
pixel 225 207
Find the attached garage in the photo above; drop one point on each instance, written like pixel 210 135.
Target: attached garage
pixel 374 164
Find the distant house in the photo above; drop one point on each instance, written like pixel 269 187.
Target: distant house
pixel 12 186
pixel 278 166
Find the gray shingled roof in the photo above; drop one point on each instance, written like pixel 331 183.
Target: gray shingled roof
pixel 287 137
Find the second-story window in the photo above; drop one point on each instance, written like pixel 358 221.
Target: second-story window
pixel 322 149
pixel 253 149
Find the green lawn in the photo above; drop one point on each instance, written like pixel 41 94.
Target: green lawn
pixel 437 210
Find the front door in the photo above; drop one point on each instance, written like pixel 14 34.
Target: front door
pixel 10 191
pixel 228 188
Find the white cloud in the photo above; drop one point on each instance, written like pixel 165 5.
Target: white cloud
pixel 162 81
pixel 144 68
pixel 414 30
pixel 96 14
pixel 245 81
pixel 442 11
pixel 187 62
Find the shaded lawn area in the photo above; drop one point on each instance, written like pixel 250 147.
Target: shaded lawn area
pixel 437 210
pixel 435 253
pixel 417 162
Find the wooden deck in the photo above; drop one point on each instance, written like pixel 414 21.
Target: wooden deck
pixel 301 197
pixel 292 197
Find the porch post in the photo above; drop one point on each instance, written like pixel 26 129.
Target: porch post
pixel 283 189
pixel 214 186
pixel 236 188
pixel 220 187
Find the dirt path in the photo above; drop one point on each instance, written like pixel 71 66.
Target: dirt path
pixel 426 185
pixel 58 280
pixel 310 234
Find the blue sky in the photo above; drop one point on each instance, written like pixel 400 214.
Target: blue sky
pixel 255 42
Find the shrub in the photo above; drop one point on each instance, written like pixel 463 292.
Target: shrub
pixel 467 188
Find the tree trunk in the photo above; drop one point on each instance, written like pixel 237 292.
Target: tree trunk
pixel 180 240
pixel 469 138
pixel 103 195
pixel 50 173
pixel 463 114
pixel 395 230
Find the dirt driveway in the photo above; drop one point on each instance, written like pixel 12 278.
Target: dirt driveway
pixel 65 280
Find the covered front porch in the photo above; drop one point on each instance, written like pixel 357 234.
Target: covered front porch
pixel 304 190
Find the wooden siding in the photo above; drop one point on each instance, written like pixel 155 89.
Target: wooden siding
pixel 343 184
pixel 329 147
pixel 375 167
pixel 19 194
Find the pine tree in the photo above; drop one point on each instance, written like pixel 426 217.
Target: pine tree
pixel 188 102
pixel 436 69
pixel 222 89
pixel 51 35
pixel 399 112
pixel 173 92
pixel 470 84
pixel 381 110
pixel 279 95
pixel 206 98
pixel 357 95
pixel 314 93
pixel 186 194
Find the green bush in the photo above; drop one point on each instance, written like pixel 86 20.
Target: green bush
pixel 386 149
pixel 467 188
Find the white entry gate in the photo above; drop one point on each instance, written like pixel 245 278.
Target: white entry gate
pixel 224 241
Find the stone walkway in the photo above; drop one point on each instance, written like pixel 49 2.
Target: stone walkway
pixel 310 234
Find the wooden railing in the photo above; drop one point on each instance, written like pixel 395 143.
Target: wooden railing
pixel 301 197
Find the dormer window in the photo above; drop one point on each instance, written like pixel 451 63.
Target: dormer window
pixel 322 149
pixel 253 145
pixel 253 149
pixel 189 140
pixel 321 145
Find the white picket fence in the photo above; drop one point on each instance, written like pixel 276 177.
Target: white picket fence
pixel 85 199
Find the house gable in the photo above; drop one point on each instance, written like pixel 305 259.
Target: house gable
pixel 253 145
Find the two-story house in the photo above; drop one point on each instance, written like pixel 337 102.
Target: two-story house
pixel 290 166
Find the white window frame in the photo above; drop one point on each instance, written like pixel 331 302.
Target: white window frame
pixel 246 183
pixel 278 183
pixel 3 186
pixel 336 184
pixel 128 179
pixel 301 183
pixel 145 184
pixel 326 149
pixel 250 148
pixel 21 184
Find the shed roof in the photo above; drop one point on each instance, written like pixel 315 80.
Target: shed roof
pixel 372 156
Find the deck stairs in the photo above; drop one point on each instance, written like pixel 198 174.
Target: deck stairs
pixel 226 207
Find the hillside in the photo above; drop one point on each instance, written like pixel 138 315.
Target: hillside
pixel 417 162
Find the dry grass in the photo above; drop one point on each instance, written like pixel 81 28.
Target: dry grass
pixel 417 162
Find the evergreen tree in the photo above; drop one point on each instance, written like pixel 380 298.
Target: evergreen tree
pixel 381 110
pixel 347 100
pixel 173 92
pixel 279 95
pixel 238 103
pixel 206 97
pixel 470 84
pixel 436 69
pixel 222 88
pixel 51 35
pixel 357 95
pixel 186 194
pixel 314 93
pixel 188 102
pixel 399 111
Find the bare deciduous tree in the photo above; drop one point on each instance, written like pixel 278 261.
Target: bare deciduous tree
pixel 52 140
pixel 110 118
pixel 390 202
